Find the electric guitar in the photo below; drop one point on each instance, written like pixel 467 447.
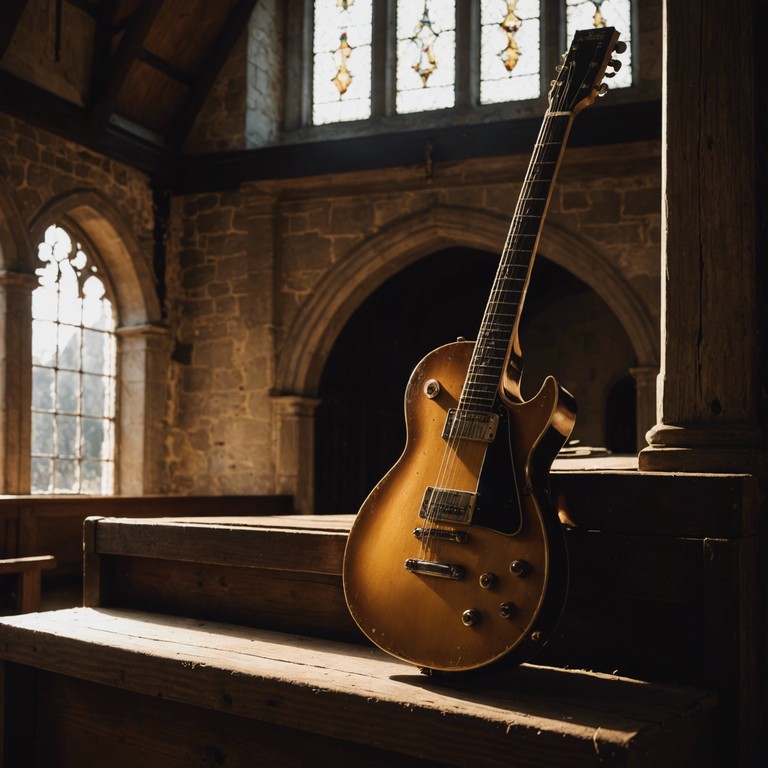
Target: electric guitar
pixel 457 559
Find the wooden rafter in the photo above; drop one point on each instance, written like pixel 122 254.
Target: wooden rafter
pixel 10 13
pixel 105 93
pixel 185 118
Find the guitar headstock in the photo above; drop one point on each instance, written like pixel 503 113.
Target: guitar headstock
pixel 580 77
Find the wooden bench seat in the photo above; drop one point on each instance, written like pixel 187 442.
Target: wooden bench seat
pixel 186 692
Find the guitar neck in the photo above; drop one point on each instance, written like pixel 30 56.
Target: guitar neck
pixel 502 312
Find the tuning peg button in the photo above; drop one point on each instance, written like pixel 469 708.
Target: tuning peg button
pixel 602 90
pixel 621 46
pixel 616 64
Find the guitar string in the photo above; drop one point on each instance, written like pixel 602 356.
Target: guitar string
pixel 511 260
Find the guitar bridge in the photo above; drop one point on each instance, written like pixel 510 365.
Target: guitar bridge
pixel 441 534
pixel 430 568
pixel 448 505
pixel 470 425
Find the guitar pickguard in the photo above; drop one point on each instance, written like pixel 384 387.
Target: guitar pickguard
pixel 497 505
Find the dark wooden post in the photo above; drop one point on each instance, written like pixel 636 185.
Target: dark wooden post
pixel 708 395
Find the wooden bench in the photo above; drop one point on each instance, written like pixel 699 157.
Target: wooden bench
pixel 148 689
pixel 27 572
pixel 32 526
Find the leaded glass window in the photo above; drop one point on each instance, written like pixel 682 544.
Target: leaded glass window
pixel 426 55
pixel 510 50
pixel 342 61
pixel 73 372
pixel 581 14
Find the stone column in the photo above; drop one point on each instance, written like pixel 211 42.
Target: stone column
pixel 143 354
pixel 294 441
pixel 15 379
pixel 708 395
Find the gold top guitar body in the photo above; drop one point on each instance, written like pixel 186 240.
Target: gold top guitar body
pixel 456 559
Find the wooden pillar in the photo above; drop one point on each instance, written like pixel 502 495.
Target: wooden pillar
pixel 15 379
pixel 708 395
pixel 294 441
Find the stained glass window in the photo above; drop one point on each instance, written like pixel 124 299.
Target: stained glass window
pixel 73 372
pixel 510 50
pixel 342 61
pixel 582 14
pixel 426 55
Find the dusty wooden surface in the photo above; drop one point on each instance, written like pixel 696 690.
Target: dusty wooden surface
pixel 532 715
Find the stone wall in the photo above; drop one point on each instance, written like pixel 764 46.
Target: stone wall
pixel 267 274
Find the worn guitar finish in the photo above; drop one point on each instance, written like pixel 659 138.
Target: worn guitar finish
pixel 457 559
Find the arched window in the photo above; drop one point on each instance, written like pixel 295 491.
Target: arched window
pixel 443 54
pixel 73 371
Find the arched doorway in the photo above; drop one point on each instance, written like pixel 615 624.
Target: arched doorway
pixel 566 330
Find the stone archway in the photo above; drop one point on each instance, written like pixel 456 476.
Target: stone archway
pixel 143 339
pixel 340 292
pixel 343 288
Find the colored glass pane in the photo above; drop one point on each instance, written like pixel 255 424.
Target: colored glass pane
pixel 341 85
pixel 510 50
pixel 582 14
pixel 426 55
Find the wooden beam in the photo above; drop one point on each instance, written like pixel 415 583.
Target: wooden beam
pixel 10 13
pixel 185 118
pixel 610 124
pixel 107 91
pixel 49 112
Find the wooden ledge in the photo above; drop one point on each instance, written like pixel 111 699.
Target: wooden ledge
pixel 535 716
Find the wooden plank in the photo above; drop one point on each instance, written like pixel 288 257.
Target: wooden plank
pixel 307 546
pixel 536 714
pixel 285 601
pixel 21 564
pixel 654 503
pixel 90 721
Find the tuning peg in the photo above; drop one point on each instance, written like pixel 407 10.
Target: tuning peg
pixel 621 46
pixel 602 90
pixel 616 64
pixel 610 74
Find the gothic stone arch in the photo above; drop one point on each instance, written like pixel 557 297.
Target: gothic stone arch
pixel 142 338
pixel 315 328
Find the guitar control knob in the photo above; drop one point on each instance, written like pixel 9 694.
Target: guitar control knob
pixel 507 610
pixel 432 388
pixel 520 568
pixel 470 617
pixel 488 580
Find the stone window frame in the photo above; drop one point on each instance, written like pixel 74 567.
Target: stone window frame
pixel 142 337
pixel 297 122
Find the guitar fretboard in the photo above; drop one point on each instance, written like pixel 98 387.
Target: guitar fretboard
pixel 512 276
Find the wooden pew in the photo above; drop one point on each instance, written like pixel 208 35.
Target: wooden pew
pixel 663 584
pixel 148 689
pixel 37 526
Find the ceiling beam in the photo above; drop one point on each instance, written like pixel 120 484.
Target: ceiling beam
pixel 44 110
pixel 185 117
pixel 106 90
pixel 10 13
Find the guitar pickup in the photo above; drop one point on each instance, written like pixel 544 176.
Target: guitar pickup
pixel 445 504
pixel 471 425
